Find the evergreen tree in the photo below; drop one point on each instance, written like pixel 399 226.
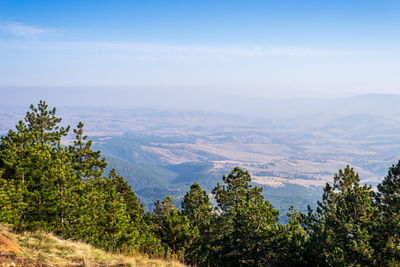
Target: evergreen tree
pixel 87 163
pixel 27 158
pixel 11 202
pixel 342 226
pixel 43 124
pixel 244 232
pixel 387 236
pixel 173 228
pixel 70 192
pixel 45 185
pixel 141 235
pixel 197 208
pixel 291 240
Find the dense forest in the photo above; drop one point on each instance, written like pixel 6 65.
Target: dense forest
pixel 49 184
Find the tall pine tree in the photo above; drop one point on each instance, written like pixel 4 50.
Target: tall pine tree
pixel 341 229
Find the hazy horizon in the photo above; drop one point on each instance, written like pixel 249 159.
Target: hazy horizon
pixel 104 99
pixel 127 97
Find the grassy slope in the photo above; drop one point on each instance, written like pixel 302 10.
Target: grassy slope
pixel 45 249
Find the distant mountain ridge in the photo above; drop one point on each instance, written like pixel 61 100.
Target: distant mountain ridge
pixel 365 103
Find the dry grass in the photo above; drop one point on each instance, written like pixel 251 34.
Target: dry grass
pixel 45 249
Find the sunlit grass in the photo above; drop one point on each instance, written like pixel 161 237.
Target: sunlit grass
pixel 51 250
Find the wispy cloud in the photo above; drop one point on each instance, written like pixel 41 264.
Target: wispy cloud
pixel 187 51
pixel 167 52
pixel 23 30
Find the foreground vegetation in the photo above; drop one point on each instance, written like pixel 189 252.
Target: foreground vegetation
pixel 57 188
pixel 45 249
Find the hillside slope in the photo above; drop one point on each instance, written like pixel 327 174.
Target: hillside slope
pixel 140 175
pixel 45 249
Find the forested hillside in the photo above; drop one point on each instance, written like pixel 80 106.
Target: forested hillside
pixel 48 185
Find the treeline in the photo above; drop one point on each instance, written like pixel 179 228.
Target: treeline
pixel 60 187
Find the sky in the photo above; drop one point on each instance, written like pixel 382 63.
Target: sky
pixel 199 49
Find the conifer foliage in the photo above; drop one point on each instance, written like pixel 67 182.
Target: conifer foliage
pixel 245 229
pixel 61 188
pixel 387 243
pixel 342 227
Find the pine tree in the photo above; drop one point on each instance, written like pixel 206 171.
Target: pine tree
pixel 197 208
pixel 387 237
pixel 70 191
pixel 173 229
pixel 141 237
pixel 46 185
pixel 288 241
pixel 27 156
pixel 11 202
pixel 245 229
pixel 342 226
pixel 87 163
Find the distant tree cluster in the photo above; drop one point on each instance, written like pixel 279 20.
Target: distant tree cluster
pixel 57 187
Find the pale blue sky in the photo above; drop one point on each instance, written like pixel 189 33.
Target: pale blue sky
pixel 241 48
